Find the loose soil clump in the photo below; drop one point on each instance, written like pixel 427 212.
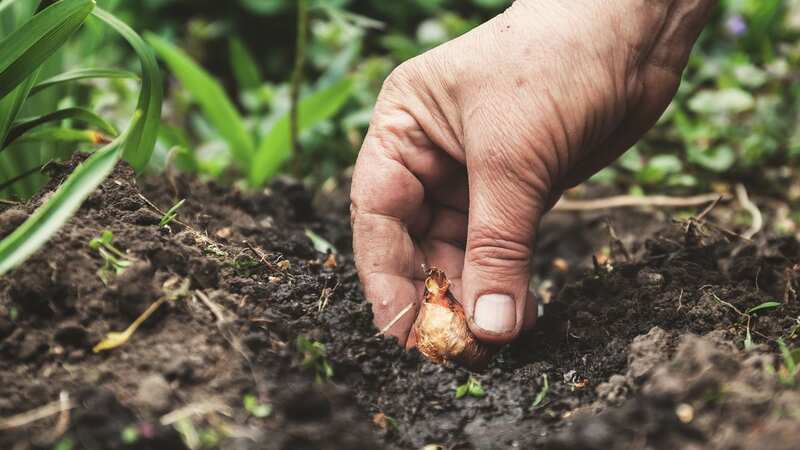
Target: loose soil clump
pixel 274 347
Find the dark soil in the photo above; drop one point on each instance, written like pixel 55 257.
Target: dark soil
pixel 644 349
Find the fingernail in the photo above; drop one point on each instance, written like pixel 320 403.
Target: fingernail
pixel 495 313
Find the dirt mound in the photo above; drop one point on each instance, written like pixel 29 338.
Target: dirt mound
pixel 273 345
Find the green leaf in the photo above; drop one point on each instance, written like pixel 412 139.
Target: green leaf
pixel 461 390
pixel 245 68
pixel 82 74
pixel 476 390
pixel 61 134
pixel 208 93
pixel 540 396
pixel 139 147
pixel 24 50
pixel 763 306
pixel 78 114
pixel 718 159
pixel 49 217
pixel 320 244
pixel 14 164
pixel 275 147
pixel 658 168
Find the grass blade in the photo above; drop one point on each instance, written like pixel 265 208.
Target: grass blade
pixel 139 147
pixel 49 217
pixel 78 114
pixel 245 68
pixel 208 93
pixel 14 163
pixel 24 50
pixel 83 74
pixel 62 135
pixel 276 147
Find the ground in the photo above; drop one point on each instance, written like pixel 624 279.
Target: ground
pixel 641 348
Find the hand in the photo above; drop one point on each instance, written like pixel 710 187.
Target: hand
pixel 473 141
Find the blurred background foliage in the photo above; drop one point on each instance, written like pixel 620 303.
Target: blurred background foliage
pixel 229 66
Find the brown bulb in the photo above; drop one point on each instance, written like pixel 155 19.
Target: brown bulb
pixel 441 327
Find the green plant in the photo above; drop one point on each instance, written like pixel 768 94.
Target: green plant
pixel 171 213
pixel 115 262
pixel 256 408
pixel 315 358
pixel 471 387
pixel 23 53
pixel 258 156
pixel 538 402
pixel 788 372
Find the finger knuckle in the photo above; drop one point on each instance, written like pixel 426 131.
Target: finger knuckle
pixel 497 254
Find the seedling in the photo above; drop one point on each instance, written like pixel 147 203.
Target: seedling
pixel 115 262
pixel 315 358
pixel 472 388
pixel 171 213
pixel 787 374
pixel 747 315
pixel 255 408
pixel 538 401
pixel 13 313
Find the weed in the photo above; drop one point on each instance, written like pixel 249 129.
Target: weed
pixel 255 408
pixel 315 358
pixel 787 374
pixel 472 388
pixel 538 401
pixel 13 313
pixel 171 213
pixel 115 262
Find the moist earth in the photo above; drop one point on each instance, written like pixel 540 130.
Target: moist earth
pixel 263 341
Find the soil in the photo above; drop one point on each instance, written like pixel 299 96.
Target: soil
pixel 641 343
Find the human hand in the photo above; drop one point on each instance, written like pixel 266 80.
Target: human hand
pixel 472 142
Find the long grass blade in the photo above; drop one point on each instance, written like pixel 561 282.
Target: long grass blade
pixel 275 147
pixel 13 163
pixel 24 50
pixel 83 74
pixel 208 93
pixel 83 115
pixel 245 68
pixel 139 147
pixel 49 217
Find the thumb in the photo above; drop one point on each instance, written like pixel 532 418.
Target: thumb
pixel 506 204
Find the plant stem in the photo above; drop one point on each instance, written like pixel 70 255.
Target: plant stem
pixel 297 78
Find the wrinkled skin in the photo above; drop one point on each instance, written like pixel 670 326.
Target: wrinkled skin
pixel 473 141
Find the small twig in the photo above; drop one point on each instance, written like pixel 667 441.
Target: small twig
pixel 755 213
pixel 260 254
pixel 36 414
pixel 708 209
pixel 8 202
pixel 623 201
pixel 394 321
pixel 680 301
pixel 215 309
pixel 326 295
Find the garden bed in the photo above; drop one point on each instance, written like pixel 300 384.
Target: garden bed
pixel 643 350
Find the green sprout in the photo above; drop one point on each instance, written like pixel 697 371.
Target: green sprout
pixel 537 402
pixel 315 358
pixel 788 372
pixel 472 388
pixel 115 262
pixel 255 408
pixel 129 435
pixel 171 213
pixel 13 313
